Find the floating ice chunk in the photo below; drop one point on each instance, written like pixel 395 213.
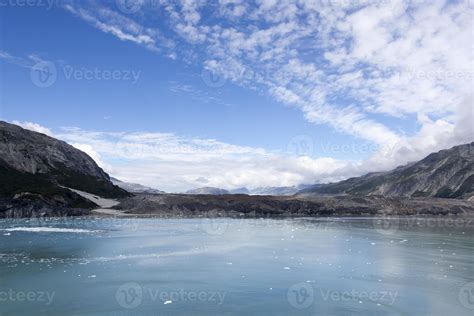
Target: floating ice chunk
pixel 287 268
pixel 48 230
pixel 167 302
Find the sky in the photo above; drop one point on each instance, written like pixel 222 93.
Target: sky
pixel 184 94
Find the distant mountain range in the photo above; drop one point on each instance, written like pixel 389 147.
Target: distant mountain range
pixel 277 191
pixel 208 191
pixel 135 187
pixel 445 174
pixel 280 191
pixel 36 167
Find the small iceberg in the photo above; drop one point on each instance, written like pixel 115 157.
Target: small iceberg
pixel 48 230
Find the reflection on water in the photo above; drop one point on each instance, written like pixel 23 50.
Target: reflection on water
pixel 396 266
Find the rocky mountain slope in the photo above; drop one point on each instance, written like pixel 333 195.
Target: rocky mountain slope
pixel 35 169
pixel 445 174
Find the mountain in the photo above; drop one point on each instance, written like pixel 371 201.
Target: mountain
pixel 36 167
pixel 135 187
pixel 208 191
pixel 445 174
pixel 276 191
pixel 242 190
pixel 280 191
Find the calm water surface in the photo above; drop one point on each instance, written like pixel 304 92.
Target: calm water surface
pixel 106 266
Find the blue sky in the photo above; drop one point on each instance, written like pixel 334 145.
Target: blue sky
pixel 303 92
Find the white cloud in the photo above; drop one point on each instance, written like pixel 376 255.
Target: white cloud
pixel 19 61
pixel 34 127
pixel 120 26
pixel 174 163
pixel 89 150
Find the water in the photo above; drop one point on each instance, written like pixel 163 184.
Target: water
pixel 88 266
